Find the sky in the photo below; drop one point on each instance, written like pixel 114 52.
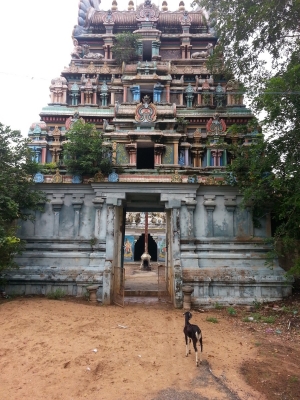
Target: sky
pixel 35 47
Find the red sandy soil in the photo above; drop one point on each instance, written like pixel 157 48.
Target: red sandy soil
pixel 72 349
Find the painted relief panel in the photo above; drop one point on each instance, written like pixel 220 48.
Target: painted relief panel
pixel 168 157
pixel 122 155
pixel 161 248
pixel 128 248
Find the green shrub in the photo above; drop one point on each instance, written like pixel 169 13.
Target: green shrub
pixel 57 294
pixel 231 311
pixel 218 306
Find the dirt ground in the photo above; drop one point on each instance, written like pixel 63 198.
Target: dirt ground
pixel 72 349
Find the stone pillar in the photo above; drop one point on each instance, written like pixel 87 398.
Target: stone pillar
pixel 168 93
pixel 210 204
pixel 176 153
pixel 131 148
pixel 109 260
pixel 186 156
pixel 110 232
pixel 189 48
pixel 105 47
pixel 230 204
pixel 214 154
pixel 57 204
pixel 182 47
pixel 208 154
pixel 112 98
pixel 175 261
pixel 82 97
pixel 64 96
pixel 44 152
pixel 158 151
pixel 136 92
pixel 125 93
pixel 95 97
pixel 155 50
pixel 225 157
pixel 181 99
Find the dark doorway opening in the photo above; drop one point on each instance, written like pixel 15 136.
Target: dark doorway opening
pixel 147 50
pixel 145 155
pixel 139 248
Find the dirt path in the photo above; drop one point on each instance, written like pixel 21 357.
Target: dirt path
pixel 74 350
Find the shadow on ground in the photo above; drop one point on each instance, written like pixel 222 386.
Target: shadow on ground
pixel 206 381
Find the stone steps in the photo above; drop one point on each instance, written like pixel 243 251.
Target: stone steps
pixel 146 293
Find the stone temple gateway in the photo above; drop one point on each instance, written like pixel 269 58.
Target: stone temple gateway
pixel 168 122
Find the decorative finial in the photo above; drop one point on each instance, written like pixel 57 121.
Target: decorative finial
pixel 164 6
pixel 114 6
pixel 130 5
pixel 181 6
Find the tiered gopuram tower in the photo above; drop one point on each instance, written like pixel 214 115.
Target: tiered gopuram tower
pixel 168 122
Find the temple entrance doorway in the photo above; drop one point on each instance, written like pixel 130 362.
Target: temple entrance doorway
pixel 145 257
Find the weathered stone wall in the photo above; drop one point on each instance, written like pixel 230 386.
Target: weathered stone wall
pixel 226 262
pixel 212 245
pixel 62 249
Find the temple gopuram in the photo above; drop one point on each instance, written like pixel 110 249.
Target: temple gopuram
pixel 169 124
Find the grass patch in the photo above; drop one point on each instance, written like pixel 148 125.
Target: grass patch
pixel 256 317
pixel 231 311
pixel 56 294
pixel 268 320
pixel 252 318
pixel 293 379
pixel 212 319
pixel 218 306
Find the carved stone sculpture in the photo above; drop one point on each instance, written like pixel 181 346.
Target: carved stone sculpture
pixel 88 54
pixel 77 51
pixel 203 54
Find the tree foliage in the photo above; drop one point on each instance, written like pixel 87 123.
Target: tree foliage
pixel 17 199
pixel 260 44
pixel 125 48
pixel 85 151
pixel 251 30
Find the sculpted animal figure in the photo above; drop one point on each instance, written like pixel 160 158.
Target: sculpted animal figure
pixel 88 54
pixel 200 54
pixel 205 53
pixel 192 333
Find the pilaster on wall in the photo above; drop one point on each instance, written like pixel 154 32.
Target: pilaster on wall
pixel 230 204
pixel 97 257
pixel 98 204
pixel 210 204
pixel 57 204
pixel 77 203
